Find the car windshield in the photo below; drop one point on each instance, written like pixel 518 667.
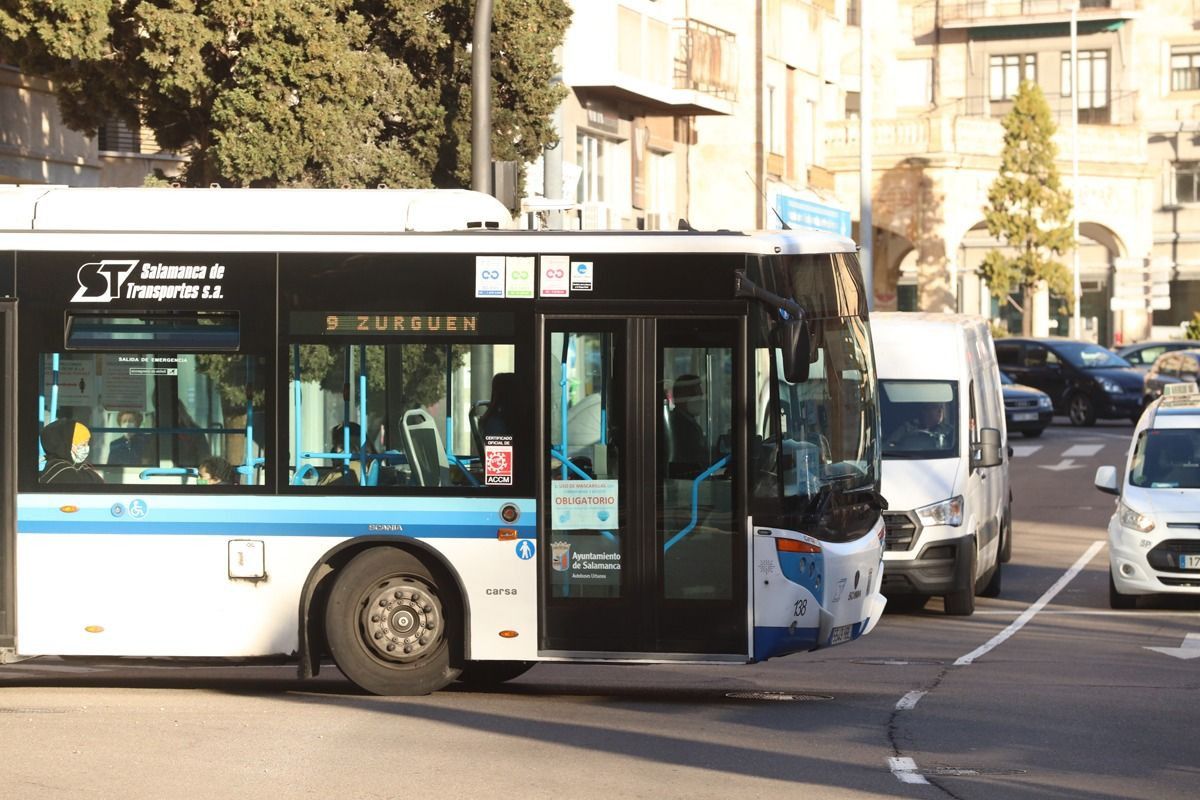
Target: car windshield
pixel 1007 381
pixel 1089 356
pixel 918 419
pixel 1167 459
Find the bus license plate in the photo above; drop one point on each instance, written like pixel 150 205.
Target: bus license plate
pixel 1189 562
pixel 1024 417
pixel 840 634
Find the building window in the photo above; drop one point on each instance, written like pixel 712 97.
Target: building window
pixel 1185 68
pixel 1006 73
pixel 1093 84
pixel 1187 181
pixel 853 12
pixel 592 156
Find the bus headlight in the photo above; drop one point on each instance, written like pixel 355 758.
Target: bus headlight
pixel 947 512
pixel 1135 519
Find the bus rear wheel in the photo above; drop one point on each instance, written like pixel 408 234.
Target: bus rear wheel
pixel 388 626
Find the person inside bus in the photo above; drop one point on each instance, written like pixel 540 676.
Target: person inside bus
pixel 345 473
pixel 128 449
pixel 494 421
pixel 216 471
pixel 690 453
pixel 68 444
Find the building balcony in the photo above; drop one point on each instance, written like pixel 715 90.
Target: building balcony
pixel 948 133
pixel 1000 13
pixel 1116 109
pixel 656 64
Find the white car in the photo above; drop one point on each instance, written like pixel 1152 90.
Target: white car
pixel 1154 534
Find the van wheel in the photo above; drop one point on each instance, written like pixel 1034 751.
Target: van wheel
pixel 388 626
pixel 1122 602
pixel 961 602
pixel 1006 536
pixel 992 589
pixel 1081 410
pixel 492 673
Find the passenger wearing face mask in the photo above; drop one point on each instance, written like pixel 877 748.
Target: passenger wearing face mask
pixel 690 453
pixel 129 449
pixel 67 444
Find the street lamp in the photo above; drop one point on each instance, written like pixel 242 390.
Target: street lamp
pixel 1078 291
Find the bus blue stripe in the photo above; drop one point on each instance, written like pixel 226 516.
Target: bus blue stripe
pixel 218 528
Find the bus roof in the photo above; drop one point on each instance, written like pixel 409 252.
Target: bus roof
pixel 57 217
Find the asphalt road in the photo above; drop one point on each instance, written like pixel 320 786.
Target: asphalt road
pixel 1043 693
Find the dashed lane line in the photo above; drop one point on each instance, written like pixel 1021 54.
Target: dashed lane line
pixel 905 770
pixel 1082 450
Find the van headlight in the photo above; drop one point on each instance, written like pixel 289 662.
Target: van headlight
pixel 947 512
pixel 1135 519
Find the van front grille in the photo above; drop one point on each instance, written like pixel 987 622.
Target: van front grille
pixel 901 530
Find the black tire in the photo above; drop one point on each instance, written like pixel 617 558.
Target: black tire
pixel 1033 434
pixel 492 673
pixel 1006 536
pixel 1116 600
pixel 961 602
pixel 1081 410
pixel 906 603
pixel 407 649
pixel 992 587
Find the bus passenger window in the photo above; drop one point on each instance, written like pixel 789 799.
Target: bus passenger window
pixel 155 417
pixel 416 415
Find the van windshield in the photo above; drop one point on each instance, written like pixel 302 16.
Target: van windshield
pixel 1167 459
pixel 919 419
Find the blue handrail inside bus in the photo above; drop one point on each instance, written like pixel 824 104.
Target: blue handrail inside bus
pixel 152 472
pixel 448 445
pixel 695 503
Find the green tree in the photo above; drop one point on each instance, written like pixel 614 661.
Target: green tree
pixel 1028 208
pixel 297 92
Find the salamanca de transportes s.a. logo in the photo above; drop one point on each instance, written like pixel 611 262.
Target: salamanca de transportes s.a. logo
pixel 100 282
pixel 113 279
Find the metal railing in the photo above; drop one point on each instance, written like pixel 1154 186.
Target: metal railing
pixel 982 10
pixel 706 59
pixel 1119 109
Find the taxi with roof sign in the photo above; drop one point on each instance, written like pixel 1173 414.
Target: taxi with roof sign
pixel 1154 533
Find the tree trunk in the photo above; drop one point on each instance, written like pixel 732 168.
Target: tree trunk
pixel 1027 311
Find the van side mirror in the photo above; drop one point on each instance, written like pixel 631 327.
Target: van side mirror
pixel 791 338
pixel 987 452
pixel 1106 480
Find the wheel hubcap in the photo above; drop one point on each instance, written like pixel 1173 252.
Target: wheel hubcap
pixel 401 620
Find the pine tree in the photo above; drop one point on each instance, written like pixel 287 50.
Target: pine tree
pixel 297 92
pixel 1028 208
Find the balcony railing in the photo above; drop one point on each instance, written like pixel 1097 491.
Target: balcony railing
pixel 706 59
pixel 983 11
pixel 1117 109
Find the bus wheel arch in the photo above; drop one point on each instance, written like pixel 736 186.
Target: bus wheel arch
pixel 416 560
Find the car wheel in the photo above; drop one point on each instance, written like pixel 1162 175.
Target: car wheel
pixel 1081 410
pixel 390 626
pixel 961 602
pixel 1119 601
pixel 1033 434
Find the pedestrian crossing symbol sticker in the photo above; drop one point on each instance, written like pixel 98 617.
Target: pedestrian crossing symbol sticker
pixel 525 549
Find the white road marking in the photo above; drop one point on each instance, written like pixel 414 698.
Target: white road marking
pixel 1025 450
pixel 1079 612
pixel 1083 450
pixel 1066 463
pixel 1188 650
pixel 909 701
pixel 1032 611
pixel 905 770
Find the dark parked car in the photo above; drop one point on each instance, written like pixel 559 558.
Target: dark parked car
pixel 1085 381
pixel 1026 410
pixel 1141 355
pixel 1173 367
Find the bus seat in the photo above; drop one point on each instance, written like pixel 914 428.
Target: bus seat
pixel 423 449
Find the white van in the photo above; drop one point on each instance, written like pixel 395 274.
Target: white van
pixel 945 462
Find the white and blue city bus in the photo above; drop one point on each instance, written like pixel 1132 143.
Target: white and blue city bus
pixel 447 450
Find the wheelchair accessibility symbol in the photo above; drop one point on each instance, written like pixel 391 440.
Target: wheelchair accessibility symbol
pixel 137 508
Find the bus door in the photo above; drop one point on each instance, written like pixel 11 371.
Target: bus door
pixel 642 525
pixel 8 468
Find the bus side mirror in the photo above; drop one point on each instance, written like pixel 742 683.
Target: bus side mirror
pixel 987 453
pixel 791 338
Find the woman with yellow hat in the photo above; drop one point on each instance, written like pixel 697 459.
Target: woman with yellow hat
pixel 68 444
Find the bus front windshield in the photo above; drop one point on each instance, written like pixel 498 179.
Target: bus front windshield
pixel 815 453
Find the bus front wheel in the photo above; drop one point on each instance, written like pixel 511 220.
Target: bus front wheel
pixel 388 625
